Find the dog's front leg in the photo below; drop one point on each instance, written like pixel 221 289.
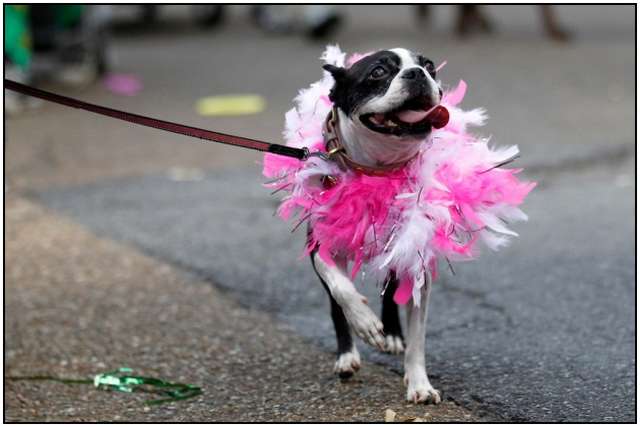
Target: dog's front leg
pixel 362 320
pixel 419 389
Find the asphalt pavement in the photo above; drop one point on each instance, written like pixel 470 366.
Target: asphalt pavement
pixel 542 331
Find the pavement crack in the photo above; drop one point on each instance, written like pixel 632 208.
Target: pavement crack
pixel 481 299
pixel 609 155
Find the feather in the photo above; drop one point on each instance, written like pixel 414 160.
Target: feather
pixel 333 55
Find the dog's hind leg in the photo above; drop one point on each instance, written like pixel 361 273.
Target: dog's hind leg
pixel 419 389
pixel 394 341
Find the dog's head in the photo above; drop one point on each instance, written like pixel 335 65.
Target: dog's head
pixel 389 92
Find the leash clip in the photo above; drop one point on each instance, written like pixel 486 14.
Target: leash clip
pixel 318 154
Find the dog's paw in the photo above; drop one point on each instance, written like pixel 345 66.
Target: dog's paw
pixel 347 364
pixel 393 344
pixel 420 390
pixel 363 321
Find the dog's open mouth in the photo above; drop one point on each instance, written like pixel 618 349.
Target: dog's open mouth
pixel 415 117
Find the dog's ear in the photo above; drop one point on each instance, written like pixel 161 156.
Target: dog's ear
pixel 338 73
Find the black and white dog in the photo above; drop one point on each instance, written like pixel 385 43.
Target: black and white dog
pixel 382 105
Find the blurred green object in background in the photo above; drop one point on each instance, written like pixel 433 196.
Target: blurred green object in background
pixel 17 37
pixel 68 15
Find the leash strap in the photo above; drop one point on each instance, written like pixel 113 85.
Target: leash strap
pixel 207 135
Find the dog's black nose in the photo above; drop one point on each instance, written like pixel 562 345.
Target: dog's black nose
pixel 412 73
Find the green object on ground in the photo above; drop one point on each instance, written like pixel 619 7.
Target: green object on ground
pixel 121 380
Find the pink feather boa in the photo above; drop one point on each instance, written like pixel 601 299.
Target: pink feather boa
pixel 446 200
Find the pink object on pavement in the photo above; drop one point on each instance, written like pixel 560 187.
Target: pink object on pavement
pixel 123 84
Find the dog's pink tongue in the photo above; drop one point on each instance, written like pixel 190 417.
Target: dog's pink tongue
pixel 438 116
pixel 412 116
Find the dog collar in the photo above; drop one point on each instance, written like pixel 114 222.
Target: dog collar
pixel 337 152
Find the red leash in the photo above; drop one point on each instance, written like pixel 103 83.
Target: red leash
pixel 236 141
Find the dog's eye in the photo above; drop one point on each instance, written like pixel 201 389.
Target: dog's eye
pixel 378 72
pixel 431 69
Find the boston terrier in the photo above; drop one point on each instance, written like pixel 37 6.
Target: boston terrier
pixel 382 103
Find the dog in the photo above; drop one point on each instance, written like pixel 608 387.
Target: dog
pixel 391 182
pixel 382 103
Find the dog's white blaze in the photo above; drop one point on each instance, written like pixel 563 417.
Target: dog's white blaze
pixel 392 98
pixel 408 61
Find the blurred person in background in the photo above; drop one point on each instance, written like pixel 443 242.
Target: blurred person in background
pixel 471 19
pixel 316 21
pixel 205 15
pixel 320 21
